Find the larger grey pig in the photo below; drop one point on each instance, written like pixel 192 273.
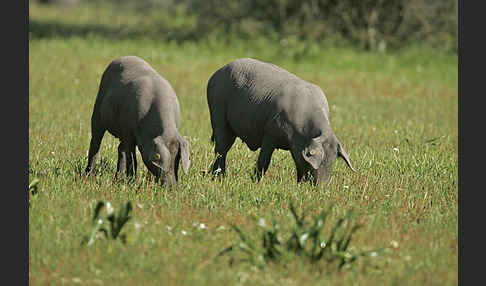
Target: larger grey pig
pixel 271 108
pixel 138 106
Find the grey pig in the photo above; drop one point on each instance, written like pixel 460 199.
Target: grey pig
pixel 270 108
pixel 138 106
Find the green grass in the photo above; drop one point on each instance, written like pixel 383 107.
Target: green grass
pixel 395 113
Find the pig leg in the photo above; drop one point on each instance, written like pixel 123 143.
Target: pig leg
pixel 131 160
pixel 224 139
pixel 94 148
pixel 299 165
pixel 306 176
pixel 176 165
pixel 124 159
pixel 301 172
pixel 264 158
pixel 134 156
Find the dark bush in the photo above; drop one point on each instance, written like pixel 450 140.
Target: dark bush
pixel 368 24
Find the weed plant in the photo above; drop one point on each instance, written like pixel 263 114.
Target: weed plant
pixel 108 223
pixel 304 240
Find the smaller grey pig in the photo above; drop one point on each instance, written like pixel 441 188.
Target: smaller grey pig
pixel 138 106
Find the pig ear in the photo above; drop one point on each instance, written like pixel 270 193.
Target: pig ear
pixel 184 151
pixel 313 156
pixel 342 153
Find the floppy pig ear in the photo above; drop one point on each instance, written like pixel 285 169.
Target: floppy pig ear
pixel 184 151
pixel 342 153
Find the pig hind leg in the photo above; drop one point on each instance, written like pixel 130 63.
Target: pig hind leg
pixel 224 138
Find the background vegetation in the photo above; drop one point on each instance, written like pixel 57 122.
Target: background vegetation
pixel 394 109
pixel 367 24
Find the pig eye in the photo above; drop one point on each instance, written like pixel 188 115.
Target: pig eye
pixel 157 156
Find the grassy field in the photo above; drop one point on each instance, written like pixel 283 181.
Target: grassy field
pixel 395 113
